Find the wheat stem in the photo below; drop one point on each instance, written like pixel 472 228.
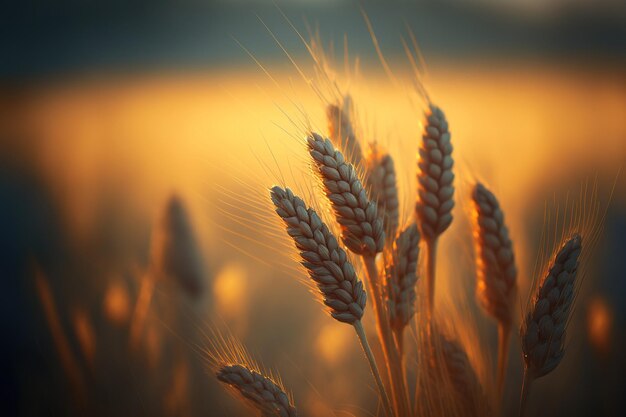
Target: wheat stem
pixel 504 337
pixel 399 340
pixel 398 335
pixel 392 358
pixel 360 331
pixel 144 299
pixel 431 269
pixel 525 392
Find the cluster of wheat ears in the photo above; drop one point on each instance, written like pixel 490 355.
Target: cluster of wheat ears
pixel 379 259
pixel 363 193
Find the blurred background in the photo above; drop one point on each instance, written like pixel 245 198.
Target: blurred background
pixel 138 140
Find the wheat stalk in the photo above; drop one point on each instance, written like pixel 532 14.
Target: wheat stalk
pixel 401 277
pixel 363 233
pixel 328 265
pixel 361 229
pixel 381 182
pixel 435 189
pixel 341 129
pixel 175 252
pixel 543 329
pixel 496 270
pixel 260 391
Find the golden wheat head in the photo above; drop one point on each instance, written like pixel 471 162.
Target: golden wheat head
pixel 361 228
pixel 326 263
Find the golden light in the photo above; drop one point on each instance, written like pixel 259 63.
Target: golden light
pixel 230 290
pixel 176 400
pixel 116 303
pixel 317 407
pixel 332 342
pixel 600 325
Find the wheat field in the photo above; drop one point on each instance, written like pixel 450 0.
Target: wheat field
pixel 223 232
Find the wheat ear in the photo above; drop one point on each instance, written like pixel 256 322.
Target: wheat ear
pixel 461 374
pixel 361 229
pixel 341 129
pixel 401 277
pixel 496 270
pixel 543 329
pixel 175 250
pixel 435 189
pixel 260 391
pixel 329 267
pixel 363 233
pixel 326 263
pixel 381 182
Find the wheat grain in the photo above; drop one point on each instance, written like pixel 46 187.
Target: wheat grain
pixel 326 263
pixel 401 277
pixel 381 182
pixel 543 330
pixel 260 391
pixel 435 189
pixel 341 129
pixel 361 229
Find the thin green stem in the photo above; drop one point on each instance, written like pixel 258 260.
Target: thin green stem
pixel 360 331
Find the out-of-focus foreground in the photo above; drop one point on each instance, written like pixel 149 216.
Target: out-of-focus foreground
pixel 122 243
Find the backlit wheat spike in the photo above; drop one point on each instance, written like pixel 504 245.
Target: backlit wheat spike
pixel 496 271
pixel 381 182
pixel 326 263
pixel 543 329
pixel 341 129
pixel 435 189
pixel 260 391
pixel 401 277
pixel 361 229
pixel 329 267
pixel 362 232
pixel 461 374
